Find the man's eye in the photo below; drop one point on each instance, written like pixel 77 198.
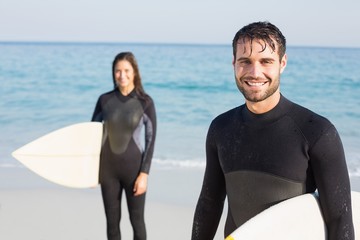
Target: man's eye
pixel 267 62
pixel 244 62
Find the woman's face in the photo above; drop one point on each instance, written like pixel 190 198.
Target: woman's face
pixel 124 75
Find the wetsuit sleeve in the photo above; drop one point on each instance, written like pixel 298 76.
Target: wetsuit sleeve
pixel 328 162
pixel 150 134
pixel 211 201
pixel 97 115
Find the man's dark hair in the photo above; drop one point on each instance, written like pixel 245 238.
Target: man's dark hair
pixel 264 31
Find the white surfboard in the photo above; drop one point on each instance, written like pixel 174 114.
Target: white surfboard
pixel 68 156
pixel 298 218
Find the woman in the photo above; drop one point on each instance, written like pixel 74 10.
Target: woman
pixel 124 165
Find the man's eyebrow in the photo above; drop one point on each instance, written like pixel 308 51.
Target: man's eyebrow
pixel 262 59
pixel 267 59
pixel 242 58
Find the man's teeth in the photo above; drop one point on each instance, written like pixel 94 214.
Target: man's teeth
pixel 255 83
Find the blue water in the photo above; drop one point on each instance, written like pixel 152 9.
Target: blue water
pixel 45 86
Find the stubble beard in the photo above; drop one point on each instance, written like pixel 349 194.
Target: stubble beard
pixel 252 96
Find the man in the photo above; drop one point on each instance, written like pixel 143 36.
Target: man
pixel 269 149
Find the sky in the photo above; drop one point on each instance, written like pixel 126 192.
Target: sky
pixel 325 23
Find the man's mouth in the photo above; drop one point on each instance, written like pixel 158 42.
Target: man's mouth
pixel 255 84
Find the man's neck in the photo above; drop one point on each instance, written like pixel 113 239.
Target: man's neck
pixel 265 105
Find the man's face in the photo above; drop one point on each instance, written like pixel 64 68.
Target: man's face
pixel 257 71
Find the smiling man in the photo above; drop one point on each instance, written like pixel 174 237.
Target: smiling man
pixel 269 149
pixel 257 67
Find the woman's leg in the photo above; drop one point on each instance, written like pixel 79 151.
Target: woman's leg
pixel 136 207
pixel 111 190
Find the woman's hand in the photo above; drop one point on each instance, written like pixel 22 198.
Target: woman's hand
pixel 140 185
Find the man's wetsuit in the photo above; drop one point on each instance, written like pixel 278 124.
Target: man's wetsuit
pixel 258 160
pixel 122 157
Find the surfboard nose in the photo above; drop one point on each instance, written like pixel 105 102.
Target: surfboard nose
pixel 68 156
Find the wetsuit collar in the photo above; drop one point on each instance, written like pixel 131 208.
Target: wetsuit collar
pixel 125 98
pixel 271 116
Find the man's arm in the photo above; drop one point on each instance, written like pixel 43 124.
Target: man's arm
pixel 211 201
pixel 332 180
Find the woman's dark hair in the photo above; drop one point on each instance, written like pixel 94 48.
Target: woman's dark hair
pixel 129 56
pixel 264 31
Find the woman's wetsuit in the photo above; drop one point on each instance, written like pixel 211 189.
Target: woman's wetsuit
pixel 122 157
pixel 260 160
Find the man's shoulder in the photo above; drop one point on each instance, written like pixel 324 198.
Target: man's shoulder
pixel 311 124
pixel 228 116
pixel 303 115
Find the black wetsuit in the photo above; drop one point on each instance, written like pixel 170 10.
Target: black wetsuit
pixel 122 157
pixel 260 160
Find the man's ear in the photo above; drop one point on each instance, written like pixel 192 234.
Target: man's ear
pixel 283 63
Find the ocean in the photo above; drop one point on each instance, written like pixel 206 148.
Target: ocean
pixel 46 86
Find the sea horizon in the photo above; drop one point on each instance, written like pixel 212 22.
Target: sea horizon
pixel 70 42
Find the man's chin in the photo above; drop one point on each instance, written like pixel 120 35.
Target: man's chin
pixel 255 97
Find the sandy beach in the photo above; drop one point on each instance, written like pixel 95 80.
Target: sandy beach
pixel 32 208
